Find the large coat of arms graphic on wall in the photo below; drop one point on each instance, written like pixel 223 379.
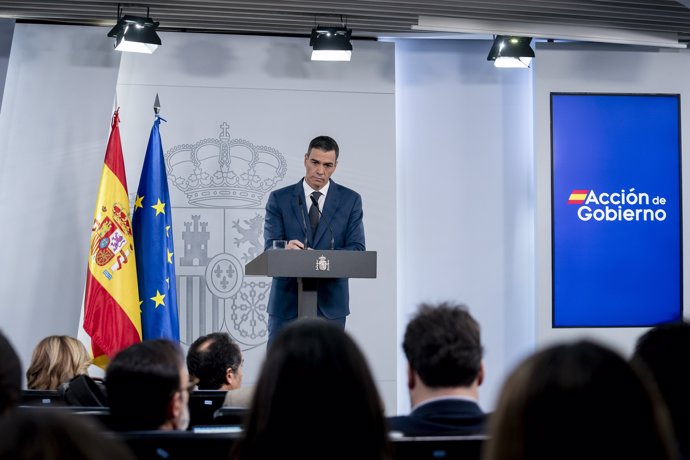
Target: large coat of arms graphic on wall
pixel 220 185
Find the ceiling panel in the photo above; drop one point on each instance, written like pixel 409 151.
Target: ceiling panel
pixel 367 18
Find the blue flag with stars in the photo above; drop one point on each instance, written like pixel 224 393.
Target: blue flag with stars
pixel 153 243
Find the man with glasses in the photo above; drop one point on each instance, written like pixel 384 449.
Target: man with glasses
pixel 148 387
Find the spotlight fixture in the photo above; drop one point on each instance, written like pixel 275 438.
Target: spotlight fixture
pixel 511 52
pixel 135 33
pixel 331 44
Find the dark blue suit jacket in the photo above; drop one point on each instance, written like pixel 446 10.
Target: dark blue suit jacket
pixel 287 218
pixel 444 417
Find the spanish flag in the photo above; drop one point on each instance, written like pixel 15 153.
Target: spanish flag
pixel 111 302
pixel 578 196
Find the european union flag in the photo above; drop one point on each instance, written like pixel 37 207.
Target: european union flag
pixel 153 243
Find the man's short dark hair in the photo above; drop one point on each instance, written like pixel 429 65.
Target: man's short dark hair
pixel 210 365
pixel 325 143
pixel 442 344
pixel 10 375
pixel 141 381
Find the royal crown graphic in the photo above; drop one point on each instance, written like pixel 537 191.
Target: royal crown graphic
pixel 225 172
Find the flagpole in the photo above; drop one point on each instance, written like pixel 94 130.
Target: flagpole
pixel 111 300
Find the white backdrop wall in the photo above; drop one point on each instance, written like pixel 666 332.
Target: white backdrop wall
pixel 437 141
pixel 54 127
pixel 465 195
pixel 597 68
pixel 266 92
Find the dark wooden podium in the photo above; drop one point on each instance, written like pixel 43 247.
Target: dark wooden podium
pixel 312 264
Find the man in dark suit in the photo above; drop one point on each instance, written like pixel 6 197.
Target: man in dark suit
pixel 444 355
pixel 315 213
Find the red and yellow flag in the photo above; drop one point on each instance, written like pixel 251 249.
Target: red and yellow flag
pixel 111 302
pixel 578 196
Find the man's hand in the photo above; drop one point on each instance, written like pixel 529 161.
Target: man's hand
pixel 294 244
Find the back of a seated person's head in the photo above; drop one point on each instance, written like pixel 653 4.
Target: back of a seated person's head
pixel 665 352
pixel 215 361
pixel 10 376
pixel 315 398
pixel 142 382
pixel 50 434
pixel 578 401
pixel 442 344
pixel 56 360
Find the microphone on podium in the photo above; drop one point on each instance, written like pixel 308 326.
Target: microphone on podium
pixel 304 222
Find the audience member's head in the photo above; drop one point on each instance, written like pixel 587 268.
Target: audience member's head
pixel 10 376
pixel 578 401
pixel 147 386
pixel 43 434
pixel 56 360
pixel 665 352
pixel 215 361
pixel 315 398
pixel 444 353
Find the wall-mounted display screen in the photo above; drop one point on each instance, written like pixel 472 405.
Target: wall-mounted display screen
pixel 616 209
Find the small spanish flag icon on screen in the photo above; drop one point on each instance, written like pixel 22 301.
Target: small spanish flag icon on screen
pixel 578 196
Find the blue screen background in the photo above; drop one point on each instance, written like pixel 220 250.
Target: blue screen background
pixel 616 273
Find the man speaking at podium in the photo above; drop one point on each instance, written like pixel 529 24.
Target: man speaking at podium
pixel 315 213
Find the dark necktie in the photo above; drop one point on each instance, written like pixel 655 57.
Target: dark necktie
pixel 314 211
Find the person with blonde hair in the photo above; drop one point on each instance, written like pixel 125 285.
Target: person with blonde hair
pixel 56 360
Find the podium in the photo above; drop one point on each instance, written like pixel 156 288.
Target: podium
pixel 309 266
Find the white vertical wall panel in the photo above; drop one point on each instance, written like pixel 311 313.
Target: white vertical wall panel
pixel 54 127
pixel 465 210
pixel 265 91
